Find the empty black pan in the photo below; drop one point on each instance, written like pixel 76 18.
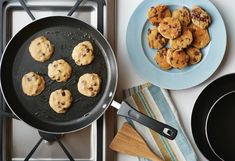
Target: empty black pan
pixel 65 33
pixel 213 119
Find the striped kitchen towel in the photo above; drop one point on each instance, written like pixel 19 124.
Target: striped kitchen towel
pixel 156 103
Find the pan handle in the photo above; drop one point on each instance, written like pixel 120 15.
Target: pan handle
pixel 126 110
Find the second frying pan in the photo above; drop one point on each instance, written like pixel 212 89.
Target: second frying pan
pixel 65 33
pixel 213 119
pixel 219 127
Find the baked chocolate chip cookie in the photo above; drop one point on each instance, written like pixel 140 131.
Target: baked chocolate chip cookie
pixel 200 17
pixel 183 15
pixel 155 39
pixel 160 58
pixel 201 37
pixel 194 54
pixel 183 41
pixel 170 28
pixel 157 14
pixel 177 58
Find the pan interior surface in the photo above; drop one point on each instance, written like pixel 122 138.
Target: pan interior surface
pixel 65 33
pixel 202 107
pixel 220 127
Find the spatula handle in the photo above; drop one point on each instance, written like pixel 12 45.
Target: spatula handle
pixel 161 128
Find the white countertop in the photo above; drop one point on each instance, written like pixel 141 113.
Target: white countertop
pixel 183 99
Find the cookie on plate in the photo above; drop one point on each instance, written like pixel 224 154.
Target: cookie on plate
pixel 183 15
pixel 160 58
pixel 157 14
pixel 201 37
pixel 183 41
pixel 170 28
pixel 32 84
pixel 59 70
pixel 89 84
pixel 41 49
pixel 177 58
pixel 200 17
pixel 194 54
pixel 155 39
pixel 83 53
pixel 60 100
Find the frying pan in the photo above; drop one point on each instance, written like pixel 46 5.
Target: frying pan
pixel 65 33
pixel 213 119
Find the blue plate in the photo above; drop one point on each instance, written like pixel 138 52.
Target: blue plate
pixel 142 56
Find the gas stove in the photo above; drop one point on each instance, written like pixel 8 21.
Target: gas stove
pixel 18 141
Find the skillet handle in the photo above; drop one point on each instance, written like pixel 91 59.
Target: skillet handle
pixel 161 128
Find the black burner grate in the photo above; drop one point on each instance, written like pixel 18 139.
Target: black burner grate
pixel 5 113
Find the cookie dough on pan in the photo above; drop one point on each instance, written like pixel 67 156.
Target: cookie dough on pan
pixel 177 58
pixel 157 14
pixel 200 17
pixel 41 49
pixel 60 100
pixel 160 58
pixel 83 53
pixel 89 84
pixel 32 84
pixel 170 28
pixel 183 15
pixel 194 54
pixel 155 39
pixel 183 41
pixel 59 70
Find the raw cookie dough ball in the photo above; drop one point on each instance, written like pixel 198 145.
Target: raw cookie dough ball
pixel 89 84
pixel 157 14
pixel 41 49
pixel 83 53
pixel 32 84
pixel 59 70
pixel 60 100
pixel 155 39
pixel 170 28
pixel 200 17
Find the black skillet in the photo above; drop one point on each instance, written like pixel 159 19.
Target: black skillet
pixel 65 33
pixel 213 119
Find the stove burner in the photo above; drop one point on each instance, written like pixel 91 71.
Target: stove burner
pixel 49 137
